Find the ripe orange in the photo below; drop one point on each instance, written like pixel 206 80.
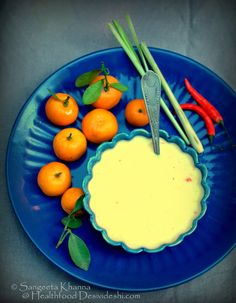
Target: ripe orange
pixel 136 113
pixel 69 198
pixel 110 98
pixel 63 112
pixel 99 125
pixel 69 144
pixel 54 178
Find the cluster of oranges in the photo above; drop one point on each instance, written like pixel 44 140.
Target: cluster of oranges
pixel 70 143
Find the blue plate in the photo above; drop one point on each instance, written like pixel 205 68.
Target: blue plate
pixel 30 147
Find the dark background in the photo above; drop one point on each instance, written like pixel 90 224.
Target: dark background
pixel 36 38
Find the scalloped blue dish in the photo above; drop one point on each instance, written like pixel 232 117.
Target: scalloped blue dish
pixel 110 145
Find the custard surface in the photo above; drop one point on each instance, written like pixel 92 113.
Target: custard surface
pixel 143 199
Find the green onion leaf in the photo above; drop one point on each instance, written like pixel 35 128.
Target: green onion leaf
pixel 87 78
pixel 79 252
pixel 93 92
pixel 119 86
pixel 71 222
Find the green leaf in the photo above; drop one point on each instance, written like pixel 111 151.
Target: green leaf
pixel 79 252
pixel 78 205
pixel 119 86
pixel 87 78
pixel 71 222
pixel 93 92
pixel 54 95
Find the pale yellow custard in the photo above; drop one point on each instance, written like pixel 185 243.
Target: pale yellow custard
pixel 142 199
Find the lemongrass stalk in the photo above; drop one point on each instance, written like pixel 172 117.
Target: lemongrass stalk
pixel 126 40
pixel 162 102
pixel 191 134
pixel 174 122
pixel 135 38
pixel 124 37
pixel 130 53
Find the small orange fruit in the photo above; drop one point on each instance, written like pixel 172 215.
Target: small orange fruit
pixel 136 113
pixel 54 178
pixel 110 98
pixel 69 144
pixel 69 199
pixel 99 125
pixel 63 112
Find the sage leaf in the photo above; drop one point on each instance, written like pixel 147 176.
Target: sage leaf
pixel 87 78
pixel 78 205
pixel 93 92
pixel 119 86
pixel 79 252
pixel 71 222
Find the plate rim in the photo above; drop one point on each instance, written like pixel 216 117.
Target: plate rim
pixel 7 154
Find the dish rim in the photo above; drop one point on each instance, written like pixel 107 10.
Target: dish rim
pixel 128 136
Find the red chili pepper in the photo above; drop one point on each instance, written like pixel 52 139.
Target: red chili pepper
pixel 202 113
pixel 208 107
pixel 204 103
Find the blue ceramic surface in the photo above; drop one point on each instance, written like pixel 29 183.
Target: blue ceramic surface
pixel 128 136
pixel 30 147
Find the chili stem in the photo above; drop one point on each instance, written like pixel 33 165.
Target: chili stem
pixel 227 133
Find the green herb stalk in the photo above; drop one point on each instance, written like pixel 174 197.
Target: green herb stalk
pixel 122 38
